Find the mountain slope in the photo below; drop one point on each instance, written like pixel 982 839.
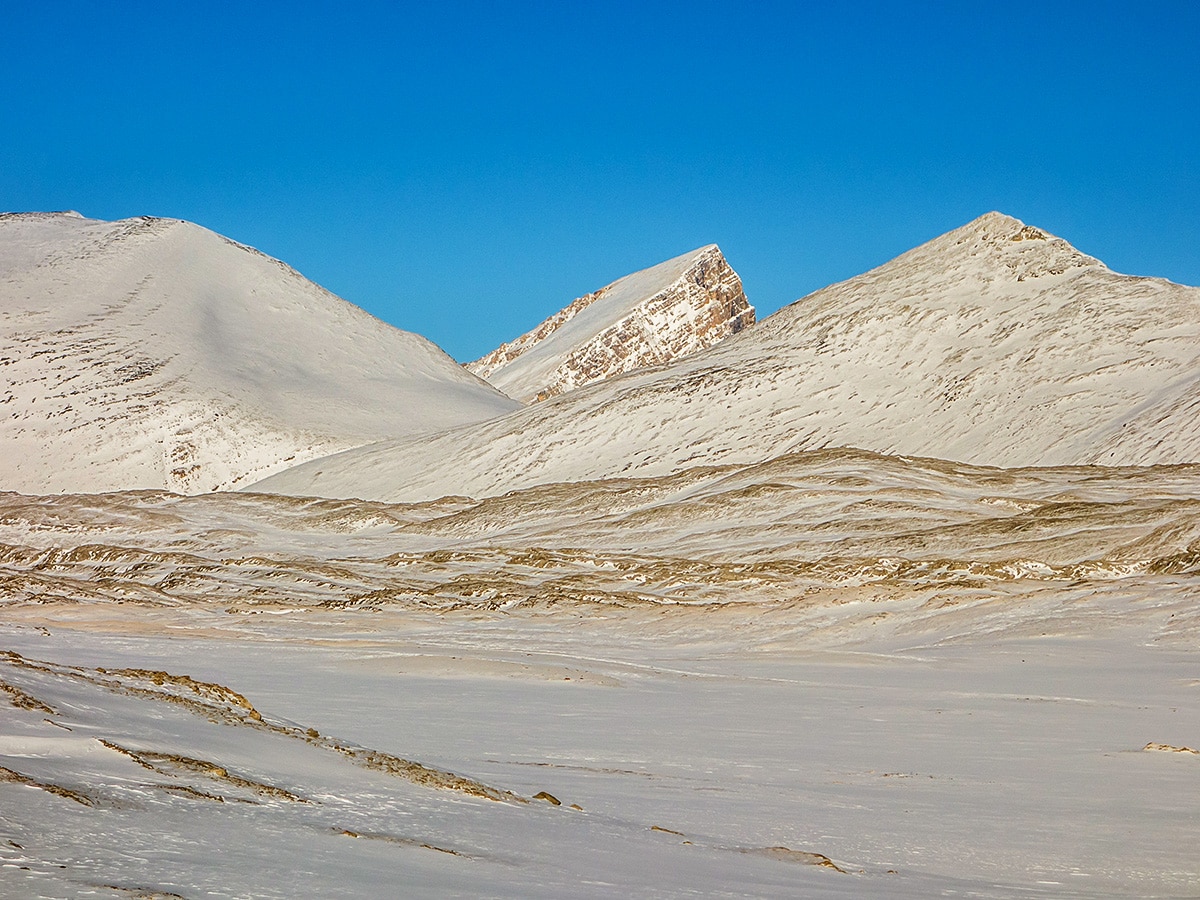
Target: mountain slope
pixel 994 344
pixel 152 353
pixel 651 317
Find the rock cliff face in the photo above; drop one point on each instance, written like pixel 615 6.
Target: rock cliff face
pixel 649 318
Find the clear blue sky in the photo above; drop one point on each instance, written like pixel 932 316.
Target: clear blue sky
pixel 465 169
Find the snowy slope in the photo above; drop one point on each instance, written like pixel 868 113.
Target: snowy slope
pixel 994 344
pixel 833 675
pixel 827 523
pixel 152 353
pixel 651 317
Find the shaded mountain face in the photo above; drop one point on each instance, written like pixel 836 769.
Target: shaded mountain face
pixel 649 318
pixel 152 353
pixel 994 344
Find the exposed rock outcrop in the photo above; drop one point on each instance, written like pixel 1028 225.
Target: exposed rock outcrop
pixel 648 318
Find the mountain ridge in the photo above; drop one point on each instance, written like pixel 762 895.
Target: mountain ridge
pixel 995 344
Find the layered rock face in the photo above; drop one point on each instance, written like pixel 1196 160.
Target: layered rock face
pixel 649 318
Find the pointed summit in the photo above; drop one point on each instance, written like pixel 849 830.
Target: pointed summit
pixel 651 317
pixel 1002 245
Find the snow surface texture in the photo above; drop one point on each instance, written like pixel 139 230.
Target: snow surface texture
pixel 834 674
pixel 994 344
pixel 651 317
pixel 152 353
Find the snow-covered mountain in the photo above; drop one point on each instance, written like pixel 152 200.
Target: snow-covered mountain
pixel 994 344
pixel 152 353
pixel 651 317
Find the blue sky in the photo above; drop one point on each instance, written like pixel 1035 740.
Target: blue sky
pixel 465 169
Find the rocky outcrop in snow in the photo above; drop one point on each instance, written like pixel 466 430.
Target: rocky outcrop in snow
pixel 994 344
pixel 649 318
pixel 152 353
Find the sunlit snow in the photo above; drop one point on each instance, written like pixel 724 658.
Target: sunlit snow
pixel 661 637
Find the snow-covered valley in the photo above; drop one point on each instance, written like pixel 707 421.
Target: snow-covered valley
pixel 837 674
pixel 1010 766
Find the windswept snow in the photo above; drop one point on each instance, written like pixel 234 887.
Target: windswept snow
pixel 152 353
pixel 648 318
pixel 994 344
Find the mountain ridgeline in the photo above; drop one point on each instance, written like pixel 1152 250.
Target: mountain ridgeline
pixel 995 344
pixel 152 353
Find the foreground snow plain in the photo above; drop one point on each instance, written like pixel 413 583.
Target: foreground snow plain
pixel 835 674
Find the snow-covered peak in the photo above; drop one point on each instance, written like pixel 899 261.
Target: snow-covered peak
pixel 1022 250
pixel 153 353
pixel 648 318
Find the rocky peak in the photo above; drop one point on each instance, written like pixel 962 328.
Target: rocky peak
pixel 648 318
pixel 1022 251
